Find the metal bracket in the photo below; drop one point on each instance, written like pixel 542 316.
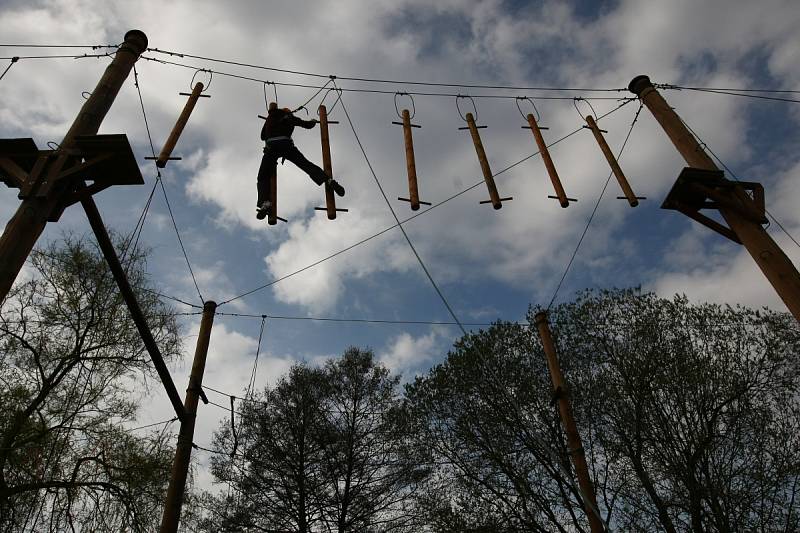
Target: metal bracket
pixel 199 95
pixel 540 127
pixel 337 209
pixel 557 198
pixel 508 199
pixel 400 124
pixel 697 189
pixel 476 127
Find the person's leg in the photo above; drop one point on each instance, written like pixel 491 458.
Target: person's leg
pixel 314 172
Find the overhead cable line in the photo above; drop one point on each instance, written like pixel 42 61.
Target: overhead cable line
pixel 92 46
pixel 160 182
pixel 362 90
pixel 733 92
pixel 399 224
pixel 360 320
pixel 13 60
pixel 388 81
pixel 434 206
pixel 594 211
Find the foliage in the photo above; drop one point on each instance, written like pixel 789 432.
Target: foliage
pixel 70 358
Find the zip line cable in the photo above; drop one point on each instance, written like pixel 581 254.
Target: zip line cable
pixel 733 93
pixel 160 182
pixel 397 220
pixel 434 206
pixel 92 46
pixel 594 211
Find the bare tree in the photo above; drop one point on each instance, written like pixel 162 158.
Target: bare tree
pixel 70 357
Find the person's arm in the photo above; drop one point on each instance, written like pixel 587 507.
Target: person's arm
pixel 307 124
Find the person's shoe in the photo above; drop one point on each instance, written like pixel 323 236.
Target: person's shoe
pixel 338 189
pixel 263 209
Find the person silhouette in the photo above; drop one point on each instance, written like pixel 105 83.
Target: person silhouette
pixel 277 136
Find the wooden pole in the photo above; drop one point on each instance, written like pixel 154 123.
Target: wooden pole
pixel 548 161
pixel 487 171
pixel 183 452
pixel 570 427
pixel 30 219
pixel 413 191
pixel 612 161
pixel 272 215
pixel 330 199
pixel 769 257
pixel 172 140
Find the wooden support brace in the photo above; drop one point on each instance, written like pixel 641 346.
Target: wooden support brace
pixel 548 162
pixel 612 162
pixel 172 140
pixel 494 196
pixel 327 166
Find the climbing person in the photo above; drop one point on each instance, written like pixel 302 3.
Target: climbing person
pixel 277 136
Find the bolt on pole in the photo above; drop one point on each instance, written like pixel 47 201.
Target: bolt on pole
pixel 183 451
pixel 769 257
pixel 30 219
pixel 570 427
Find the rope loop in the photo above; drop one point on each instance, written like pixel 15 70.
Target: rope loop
pixel 474 107
pixel 575 103
pixel 210 77
pixel 413 106
pixel 535 109
pixel 338 98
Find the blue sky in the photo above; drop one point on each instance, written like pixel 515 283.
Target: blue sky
pixel 489 264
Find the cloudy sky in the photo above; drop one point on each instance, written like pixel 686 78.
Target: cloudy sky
pixel 489 264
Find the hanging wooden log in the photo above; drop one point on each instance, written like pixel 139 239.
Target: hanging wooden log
pixel 411 167
pixel 272 214
pixel 633 200
pixel 327 166
pixel 172 140
pixel 494 196
pixel 561 196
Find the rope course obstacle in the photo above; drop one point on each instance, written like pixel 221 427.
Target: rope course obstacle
pixel 51 180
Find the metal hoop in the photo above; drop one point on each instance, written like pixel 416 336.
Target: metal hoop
pixel 84 95
pixel 474 107
pixel 338 91
pixel 575 103
pixel 205 87
pixel 51 144
pixel 413 107
pixel 516 101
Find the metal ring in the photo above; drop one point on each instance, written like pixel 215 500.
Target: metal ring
pixel 338 91
pixel 205 87
pixel 474 107
pixel 413 106
pixel 516 101
pixel 575 103
pixel 51 144
pixel 84 93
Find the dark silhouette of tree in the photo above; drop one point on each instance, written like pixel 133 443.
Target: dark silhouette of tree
pixel 689 414
pixel 70 357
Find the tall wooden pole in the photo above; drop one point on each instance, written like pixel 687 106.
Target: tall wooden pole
pixel 411 165
pixel 570 427
pixel 183 451
pixel 769 257
pixel 30 219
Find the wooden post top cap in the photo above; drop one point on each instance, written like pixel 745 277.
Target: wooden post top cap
pixel 137 40
pixel 639 84
pixel 540 317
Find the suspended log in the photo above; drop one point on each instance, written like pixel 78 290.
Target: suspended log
pixel 561 196
pixel 272 214
pixel 172 140
pixel 633 200
pixel 494 196
pixel 327 166
pixel 411 167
